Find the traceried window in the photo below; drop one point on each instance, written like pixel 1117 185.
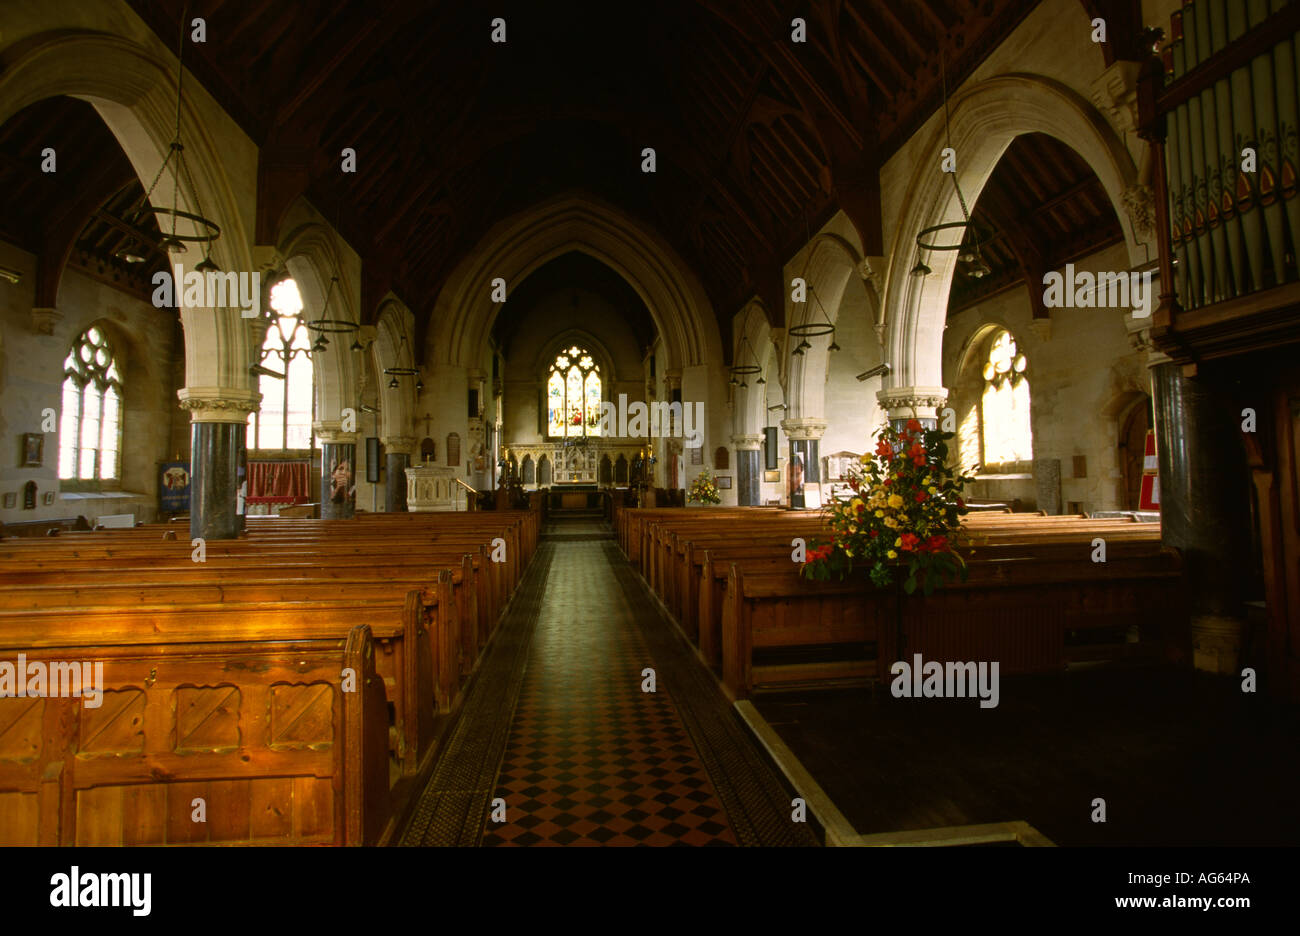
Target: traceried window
pixel 1004 410
pixel 286 414
pixel 573 394
pixel 90 431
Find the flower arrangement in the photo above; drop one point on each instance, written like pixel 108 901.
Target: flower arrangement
pixel 904 514
pixel 704 490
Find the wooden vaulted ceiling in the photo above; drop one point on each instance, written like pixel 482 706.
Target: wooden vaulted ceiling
pixel 84 213
pixel 757 139
pixel 1042 207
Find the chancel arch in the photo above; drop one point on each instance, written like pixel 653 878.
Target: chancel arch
pixel 465 311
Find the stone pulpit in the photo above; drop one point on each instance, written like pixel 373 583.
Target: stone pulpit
pixel 430 488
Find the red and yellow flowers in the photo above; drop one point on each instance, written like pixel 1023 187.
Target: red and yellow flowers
pixel 904 514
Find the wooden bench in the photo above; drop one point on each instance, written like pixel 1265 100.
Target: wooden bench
pixel 127 593
pixel 1016 611
pixel 260 731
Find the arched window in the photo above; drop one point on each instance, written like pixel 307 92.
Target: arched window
pixel 90 432
pixel 573 395
pixel 287 404
pixel 1006 436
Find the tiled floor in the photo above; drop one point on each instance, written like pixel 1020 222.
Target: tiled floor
pixel 590 758
pixel 593 759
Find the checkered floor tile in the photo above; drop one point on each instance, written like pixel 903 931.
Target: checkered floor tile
pixel 591 758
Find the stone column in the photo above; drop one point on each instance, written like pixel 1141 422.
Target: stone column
pixel 1204 507
pixel 672 447
pixel 218 427
pixel 338 485
pixel 397 458
pixel 748 469
pixel 804 433
pixel 920 403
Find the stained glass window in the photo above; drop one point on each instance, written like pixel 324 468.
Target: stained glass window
pixel 1004 414
pixel 286 415
pixel 90 428
pixel 573 395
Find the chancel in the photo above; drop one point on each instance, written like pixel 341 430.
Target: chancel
pixel 649 423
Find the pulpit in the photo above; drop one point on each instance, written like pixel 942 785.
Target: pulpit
pixel 430 488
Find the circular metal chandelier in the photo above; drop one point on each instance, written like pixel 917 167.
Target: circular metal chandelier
pixel 970 252
pixel 813 329
pixel 746 370
pixel 395 372
pixel 206 231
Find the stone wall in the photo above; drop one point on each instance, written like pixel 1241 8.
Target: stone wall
pixel 31 374
pixel 1083 372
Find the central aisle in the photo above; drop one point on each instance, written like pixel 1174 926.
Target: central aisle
pixel 590 758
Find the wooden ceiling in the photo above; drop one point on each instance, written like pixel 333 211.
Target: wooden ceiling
pixel 757 138
pixel 1045 208
pixel 82 213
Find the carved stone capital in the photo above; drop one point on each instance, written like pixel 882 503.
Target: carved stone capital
pixel 331 433
pixel 804 427
pixel 912 402
pixel 1139 203
pixel 398 443
pixel 218 404
pixel 44 320
pixel 748 442
pixel 1114 92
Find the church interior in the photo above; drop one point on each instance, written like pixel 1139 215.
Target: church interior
pixel 464 424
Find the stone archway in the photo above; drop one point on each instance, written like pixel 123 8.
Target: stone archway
pixel 985 117
pixel 131 83
pixel 465 311
pixel 831 261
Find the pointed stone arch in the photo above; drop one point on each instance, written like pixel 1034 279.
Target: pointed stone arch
pixel 313 254
pixel 133 88
pixel 830 262
pixel 394 323
pixel 985 118
pixel 750 412
pixel 463 315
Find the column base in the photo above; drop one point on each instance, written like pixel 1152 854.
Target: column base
pixel 1216 644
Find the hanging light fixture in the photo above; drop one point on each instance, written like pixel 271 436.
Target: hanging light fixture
pixel 968 247
pixel 814 329
pixel 332 326
pixel 395 372
pixel 205 231
pixel 740 371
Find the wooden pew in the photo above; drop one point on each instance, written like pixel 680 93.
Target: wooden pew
pixel 1017 611
pixel 261 731
pixel 279 586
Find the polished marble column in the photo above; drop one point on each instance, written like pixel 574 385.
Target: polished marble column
pixel 748 469
pixel 1204 506
pixel 804 469
pixel 338 487
pixel 218 427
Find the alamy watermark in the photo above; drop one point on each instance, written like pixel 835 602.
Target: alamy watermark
pixel 214 289
pixel 77 889
pixel 39 679
pixel 951 680
pixel 639 420
pixel 1085 290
